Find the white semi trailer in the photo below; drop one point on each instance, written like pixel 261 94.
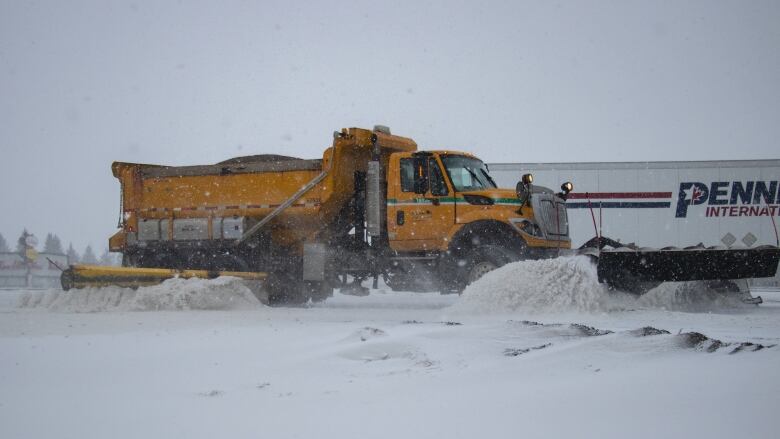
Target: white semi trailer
pixel 728 203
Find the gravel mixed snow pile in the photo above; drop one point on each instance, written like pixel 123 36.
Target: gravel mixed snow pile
pixel 224 293
pixel 571 284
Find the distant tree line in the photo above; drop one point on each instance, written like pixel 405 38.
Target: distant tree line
pixel 53 245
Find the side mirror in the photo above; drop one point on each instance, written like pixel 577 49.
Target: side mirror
pixel 523 192
pixel 523 188
pixel 421 181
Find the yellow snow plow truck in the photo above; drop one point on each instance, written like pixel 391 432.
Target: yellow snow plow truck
pixel 373 206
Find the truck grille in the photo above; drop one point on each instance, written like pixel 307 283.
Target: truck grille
pixel 550 213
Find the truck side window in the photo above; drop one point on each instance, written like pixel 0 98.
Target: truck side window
pixel 437 179
pixel 407 175
pixel 461 178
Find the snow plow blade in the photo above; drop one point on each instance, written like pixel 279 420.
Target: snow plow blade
pixel 627 268
pixel 83 276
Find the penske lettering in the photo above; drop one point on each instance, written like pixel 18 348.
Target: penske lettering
pixel 729 198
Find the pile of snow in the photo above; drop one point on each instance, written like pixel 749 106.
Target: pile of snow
pixel 571 284
pixel 690 297
pixel 567 283
pixel 224 293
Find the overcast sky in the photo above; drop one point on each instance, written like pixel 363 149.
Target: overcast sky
pixel 183 82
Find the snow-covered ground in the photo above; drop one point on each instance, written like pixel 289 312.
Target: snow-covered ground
pixel 535 349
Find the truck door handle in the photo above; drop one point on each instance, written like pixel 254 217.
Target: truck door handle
pixel 434 201
pixel 399 217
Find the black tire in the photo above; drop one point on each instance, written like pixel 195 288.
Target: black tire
pixel 151 259
pixel 480 261
pixel 395 280
pixel 227 262
pixel 285 290
pixel 128 260
pixel 258 289
pixel 409 276
pixel 317 291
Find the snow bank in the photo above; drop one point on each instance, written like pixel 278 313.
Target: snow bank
pixel 224 293
pixel 690 297
pixel 571 284
pixel 568 283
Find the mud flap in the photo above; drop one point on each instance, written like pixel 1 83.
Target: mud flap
pixel 315 257
pixel 626 268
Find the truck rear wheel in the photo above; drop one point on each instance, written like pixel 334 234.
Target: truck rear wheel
pixel 317 291
pixel 227 262
pixel 411 276
pixel 284 290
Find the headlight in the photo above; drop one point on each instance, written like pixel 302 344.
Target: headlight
pixel 565 189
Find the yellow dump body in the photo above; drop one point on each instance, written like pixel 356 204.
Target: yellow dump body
pixel 211 195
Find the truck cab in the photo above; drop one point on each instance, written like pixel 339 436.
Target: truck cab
pixel 444 205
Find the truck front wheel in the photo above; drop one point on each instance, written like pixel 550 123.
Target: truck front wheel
pixel 482 260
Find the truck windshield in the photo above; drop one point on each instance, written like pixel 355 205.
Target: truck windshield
pixel 466 173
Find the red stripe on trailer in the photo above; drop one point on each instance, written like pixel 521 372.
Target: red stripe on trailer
pixel 613 195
